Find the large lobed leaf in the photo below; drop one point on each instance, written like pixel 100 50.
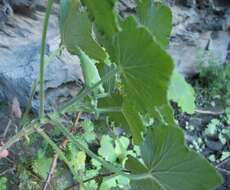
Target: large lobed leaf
pixel 157 17
pixel 169 165
pixel 146 71
pixel 76 31
pixel 102 11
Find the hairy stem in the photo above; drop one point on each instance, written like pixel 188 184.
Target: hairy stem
pixel 60 153
pixel 42 59
pixel 30 129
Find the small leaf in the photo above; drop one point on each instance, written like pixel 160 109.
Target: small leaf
pixel 3 183
pixel 76 30
pixel 89 134
pixel 121 147
pixel 157 17
pixel 168 164
pixel 182 93
pixel 90 72
pixel 42 164
pixel 107 149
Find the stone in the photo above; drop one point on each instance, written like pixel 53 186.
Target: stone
pixel 186 3
pixel 199 31
pixel 214 145
pixel 19 63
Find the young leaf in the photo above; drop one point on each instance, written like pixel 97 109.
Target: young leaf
pixel 90 72
pixel 182 93
pixel 157 18
pixel 146 71
pixel 3 183
pixel 168 164
pixel 42 164
pixel 103 13
pixel 76 31
pixel 107 150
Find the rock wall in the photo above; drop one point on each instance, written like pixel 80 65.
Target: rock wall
pixel 200 33
pixel 20 37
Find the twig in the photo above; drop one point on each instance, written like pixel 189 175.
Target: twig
pixel 51 171
pixel 55 157
pixel 7 170
pixel 224 170
pixel 90 179
pixel 21 134
pixel 223 162
pixel 7 128
pixel 209 112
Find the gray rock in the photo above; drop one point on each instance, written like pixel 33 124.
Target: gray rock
pixel 199 31
pixel 19 63
pixel 214 145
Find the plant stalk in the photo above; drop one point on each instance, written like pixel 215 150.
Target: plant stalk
pixel 42 59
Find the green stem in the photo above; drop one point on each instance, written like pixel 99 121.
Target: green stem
pixel 30 129
pixel 82 94
pixel 36 83
pixel 42 58
pixel 59 152
pixel 108 110
pixel 118 170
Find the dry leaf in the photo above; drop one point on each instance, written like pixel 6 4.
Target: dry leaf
pixel 15 109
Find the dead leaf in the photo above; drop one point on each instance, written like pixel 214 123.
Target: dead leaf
pixel 15 109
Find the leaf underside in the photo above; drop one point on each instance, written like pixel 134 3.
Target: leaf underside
pixel 157 17
pixel 145 69
pixel 76 31
pixel 182 93
pixel 169 165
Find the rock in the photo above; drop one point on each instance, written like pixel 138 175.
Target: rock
pixel 214 145
pixel 206 152
pixel 198 30
pixel 5 13
pixel 224 169
pixel 221 4
pixel 19 63
pixel 186 3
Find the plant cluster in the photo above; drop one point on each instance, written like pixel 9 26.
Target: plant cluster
pixel 213 81
pixel 132 140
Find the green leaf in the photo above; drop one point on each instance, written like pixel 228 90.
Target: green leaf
pixel 42 164
pixel 145 71
pixel 182 93
pixel 76 31
pixel 115 101
pixel 89 134
pixel 76 157
pixel 157 18
pixel 121 147
pixel 90 72
pixel 169 165
pixel 102 11
pixel 3 183
pixel 107 148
